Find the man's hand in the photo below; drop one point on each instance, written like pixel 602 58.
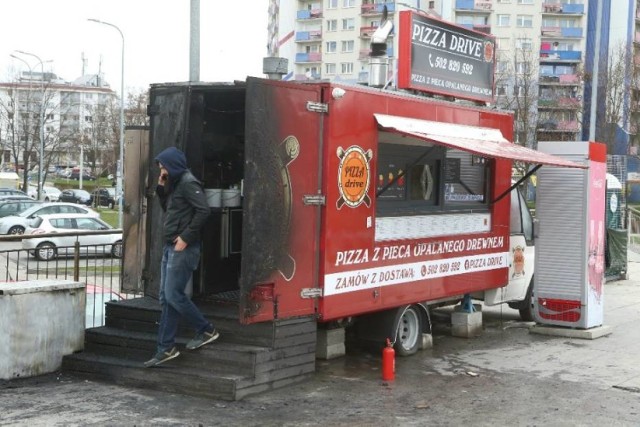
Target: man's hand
pixel 180 244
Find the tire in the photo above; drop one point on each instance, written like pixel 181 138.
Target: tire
pixel 16 229
pixel 526 309
pixel 116 249
pixel 111 205
pixel 409 330
pixel 46 251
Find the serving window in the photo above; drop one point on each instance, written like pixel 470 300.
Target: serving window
pixel 417 177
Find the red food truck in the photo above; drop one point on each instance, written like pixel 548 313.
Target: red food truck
pixel 345 203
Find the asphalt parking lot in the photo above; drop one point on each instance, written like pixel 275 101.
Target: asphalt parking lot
pixel 508 376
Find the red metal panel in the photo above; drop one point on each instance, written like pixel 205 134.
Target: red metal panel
pixel 348 242
pixel 280 235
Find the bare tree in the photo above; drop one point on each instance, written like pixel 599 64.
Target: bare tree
pixel 136 108
pixel 517 83
pixel 613 82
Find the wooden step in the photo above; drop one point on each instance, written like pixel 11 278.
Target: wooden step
pixel 143 315
pixel 219 356
pixel 176 378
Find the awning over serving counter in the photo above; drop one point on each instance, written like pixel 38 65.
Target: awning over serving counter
pixel 478 140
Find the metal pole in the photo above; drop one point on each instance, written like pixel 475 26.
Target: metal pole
pixel 594 79
pixel 194 42
pixel 42 108
pixel 119 192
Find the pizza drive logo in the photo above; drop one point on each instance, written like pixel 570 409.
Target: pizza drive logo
pixel 354 175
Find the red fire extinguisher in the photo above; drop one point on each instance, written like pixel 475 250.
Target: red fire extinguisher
pixel 388 362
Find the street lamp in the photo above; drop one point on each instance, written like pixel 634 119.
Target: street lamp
pixel 121 148
pixel 42 113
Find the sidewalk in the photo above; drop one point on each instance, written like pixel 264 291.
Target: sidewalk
pixel 506 377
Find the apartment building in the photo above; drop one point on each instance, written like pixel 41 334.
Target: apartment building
pixel 69 115
pixel 554 41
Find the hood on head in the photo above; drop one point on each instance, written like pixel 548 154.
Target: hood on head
pixel 173 160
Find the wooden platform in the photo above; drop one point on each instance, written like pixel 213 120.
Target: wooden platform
pixel 244 360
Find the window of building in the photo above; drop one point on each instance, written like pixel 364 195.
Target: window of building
pixel 348 24
pixel 332 25
pixel 432 5
pixel 501 90
pixel 504 20
pixel 331 47
pixel 502 66
pixel 346 68
pixel 525 1
pixel 330 68
pixel 50 116
pixel 464 20
pixel 348 3
pixel 504 1
pixel 312 48
pixel 524 21
pixel 332 4
pixel 87 118
pixel 523 67
pixel 524 44
pixel 347 46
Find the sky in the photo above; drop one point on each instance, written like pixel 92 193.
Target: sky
pixel 233 39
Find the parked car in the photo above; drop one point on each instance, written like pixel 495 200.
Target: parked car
pixel 85 176
pixel 81 197
pixel 12 192
pixel 18 223
pixel 49 194
pixel 48 248
pixel 103 197
pixel 10 206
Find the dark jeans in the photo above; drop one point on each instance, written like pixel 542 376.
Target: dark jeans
pixel 176 270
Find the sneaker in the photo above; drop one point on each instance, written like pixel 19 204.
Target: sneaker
pixel 161 357
pixel 202 339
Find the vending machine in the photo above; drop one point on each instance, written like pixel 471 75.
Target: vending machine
pixel 570 262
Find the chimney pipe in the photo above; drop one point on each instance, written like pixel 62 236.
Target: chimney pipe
pixel 378 59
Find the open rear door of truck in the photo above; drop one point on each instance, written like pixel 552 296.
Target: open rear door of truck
pixel 281 207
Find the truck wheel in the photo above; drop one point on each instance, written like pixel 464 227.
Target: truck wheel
pixel 526 309
pixel 409 331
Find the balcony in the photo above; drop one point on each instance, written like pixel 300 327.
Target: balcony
pixel 560 80
pixel 562 32
pixel 376 9
pixel 481 6
pixel 303 15
pixel 483 28
pixel 552 125
pixel 309 36
pixel 363 55
pixel 560 55
pixel 308 57
pixel 367 32
pixel 563 8
pixel 307 76
pixel 562 103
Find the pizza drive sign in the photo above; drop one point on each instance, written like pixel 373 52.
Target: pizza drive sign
pixel 446 59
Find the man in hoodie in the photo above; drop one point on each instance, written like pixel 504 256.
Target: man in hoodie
pixel 186 211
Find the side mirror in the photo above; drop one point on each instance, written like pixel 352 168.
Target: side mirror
pixel 536 228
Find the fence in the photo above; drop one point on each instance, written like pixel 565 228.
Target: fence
pixel 94 264
pixel 634 229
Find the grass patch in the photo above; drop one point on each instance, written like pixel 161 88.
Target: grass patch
pixel 110 216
